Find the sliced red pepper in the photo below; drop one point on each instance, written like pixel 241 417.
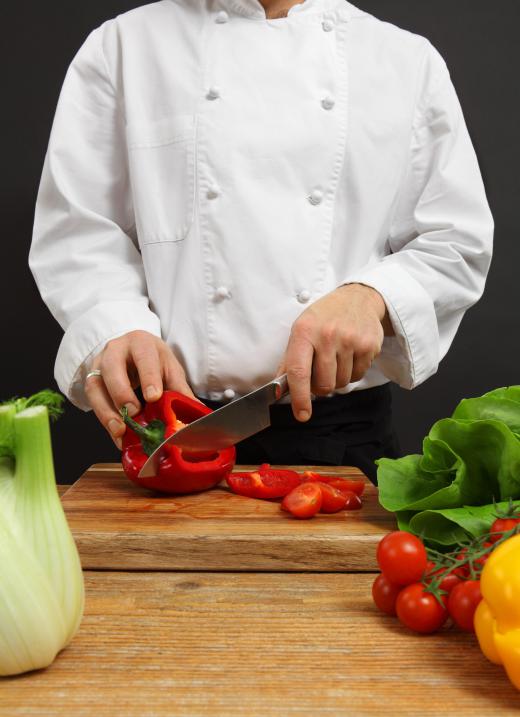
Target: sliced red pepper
pixel 342 484
pixel 178 472
pixel 265 483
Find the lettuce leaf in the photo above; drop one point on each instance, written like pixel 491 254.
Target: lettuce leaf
pixel 469 461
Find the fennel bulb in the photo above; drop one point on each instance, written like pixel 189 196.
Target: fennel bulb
pixel 41 581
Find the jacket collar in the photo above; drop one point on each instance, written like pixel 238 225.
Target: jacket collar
pixel 255 10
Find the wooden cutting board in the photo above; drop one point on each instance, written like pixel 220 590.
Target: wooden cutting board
pixel 120 526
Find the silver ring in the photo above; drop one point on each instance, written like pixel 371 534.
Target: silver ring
pixel 95 372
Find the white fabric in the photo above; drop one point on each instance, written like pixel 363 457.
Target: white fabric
pixel 211 173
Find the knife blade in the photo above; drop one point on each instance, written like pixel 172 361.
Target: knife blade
pixel 226 425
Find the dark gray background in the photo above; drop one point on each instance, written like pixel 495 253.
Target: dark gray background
pixel 479 41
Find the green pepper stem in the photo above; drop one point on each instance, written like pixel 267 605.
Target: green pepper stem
pixel 151 435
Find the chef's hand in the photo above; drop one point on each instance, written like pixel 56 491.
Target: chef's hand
pixel 135 358
pixel 332 343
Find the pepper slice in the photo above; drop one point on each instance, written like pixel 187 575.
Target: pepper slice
pixel 265 483
pixel 341 484
pixel 178 472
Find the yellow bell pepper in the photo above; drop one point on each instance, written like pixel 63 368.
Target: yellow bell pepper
pixel 497 618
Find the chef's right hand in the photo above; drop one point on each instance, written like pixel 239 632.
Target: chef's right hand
pixel 137 358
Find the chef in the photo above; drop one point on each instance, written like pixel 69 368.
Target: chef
pixel 239 188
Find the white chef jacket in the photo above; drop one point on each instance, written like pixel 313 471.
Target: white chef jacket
pixel 211 173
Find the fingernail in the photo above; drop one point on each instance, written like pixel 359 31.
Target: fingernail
pixel 304 415
pixel 118 442
pixel 151 393
pixel 114 426
pixel 132 409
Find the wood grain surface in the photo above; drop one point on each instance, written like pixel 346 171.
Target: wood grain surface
pixel 119 526
pixel 254 645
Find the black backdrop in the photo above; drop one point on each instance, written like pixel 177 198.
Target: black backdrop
pixel 479 41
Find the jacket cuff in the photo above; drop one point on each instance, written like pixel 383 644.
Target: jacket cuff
pixel 412 355
pixel 88 335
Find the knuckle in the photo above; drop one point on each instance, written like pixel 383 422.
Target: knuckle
pixel 328 334
pixel 303 326
pixel 346 338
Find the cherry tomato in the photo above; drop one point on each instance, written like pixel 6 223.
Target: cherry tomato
pixel 402 557
pixel 463 571
pixel 332 500
pixel 500 526
pixel 353 501
pixel 480 562
pixel 266 483
pixel 342 484
pixel 304 501
pixel 462 603
pixel 448 580
pixel 385 594
pixel 418 610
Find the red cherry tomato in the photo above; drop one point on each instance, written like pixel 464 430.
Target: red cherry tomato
pixel 500 526
pixel 304 501
pixel 266 483
pixel 385 594
pixel 420 611
pixel 353 501
pixel 462 603
pixel 463 571
pixel 332 500
pixel 342 484
pixel 402 557
pixel 449 582
pixel 480 562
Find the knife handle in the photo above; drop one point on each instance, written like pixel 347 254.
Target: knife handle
pixel 281 386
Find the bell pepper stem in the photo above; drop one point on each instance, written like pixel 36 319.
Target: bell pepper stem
pixel 151 435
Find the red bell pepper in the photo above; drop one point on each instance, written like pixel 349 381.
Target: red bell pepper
pixel 178 472
pixel 266 482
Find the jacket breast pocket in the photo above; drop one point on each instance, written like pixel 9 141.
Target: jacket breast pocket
pixel 162 174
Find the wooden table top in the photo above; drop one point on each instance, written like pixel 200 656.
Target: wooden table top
pixel 254 644
pixel 258 645
pixel 118 525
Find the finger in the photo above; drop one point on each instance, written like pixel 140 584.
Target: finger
pixel 324 370
pixel 360 366
pixel 103 407
pixel 344 361
pixel 299 355
pixel 145 355
pixel 114 370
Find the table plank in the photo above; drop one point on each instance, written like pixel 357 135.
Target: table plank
pixel 119 526
pixel 259 645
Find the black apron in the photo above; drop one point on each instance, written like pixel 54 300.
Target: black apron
pixel 353 429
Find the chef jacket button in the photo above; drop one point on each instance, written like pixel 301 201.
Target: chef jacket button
pixel 328 25
pixel 304 296
pixel 213 192
pixel 316 196
pixel 222 292
pixel 213 93
pixel 327 102
pixel 222 17
pixel 229 393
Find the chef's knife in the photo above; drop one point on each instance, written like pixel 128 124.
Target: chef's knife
pixel 225 426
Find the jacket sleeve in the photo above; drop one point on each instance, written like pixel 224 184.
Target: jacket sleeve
pixel 440 239
pixel 84 255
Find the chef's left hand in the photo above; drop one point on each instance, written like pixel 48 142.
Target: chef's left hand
pixel 332 343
